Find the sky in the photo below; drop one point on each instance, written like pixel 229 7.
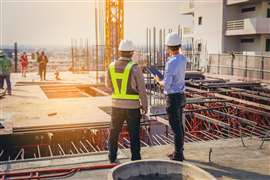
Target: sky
pixel 56 22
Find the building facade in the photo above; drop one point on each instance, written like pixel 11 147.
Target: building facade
pixel 231 25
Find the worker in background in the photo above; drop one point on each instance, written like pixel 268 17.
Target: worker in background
pixel 57 74
pixel 128 98
pixel 42 60
pixel 174 87
pixel 5 70
pixel 24 64
pixel 37 58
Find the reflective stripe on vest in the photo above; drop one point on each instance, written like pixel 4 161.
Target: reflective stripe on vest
pixel 124 82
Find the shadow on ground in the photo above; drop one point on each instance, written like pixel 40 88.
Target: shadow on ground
pixel 221 171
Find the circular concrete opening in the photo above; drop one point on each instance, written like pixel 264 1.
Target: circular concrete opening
pixel 158 170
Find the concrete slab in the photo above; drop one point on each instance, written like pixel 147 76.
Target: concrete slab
pixel 31 107
pixel 60 161
pixel 230 159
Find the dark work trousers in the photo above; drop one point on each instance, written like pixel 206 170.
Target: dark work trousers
pixel 7 79
pixel 132 116
pixel 42 72
pixel 175 103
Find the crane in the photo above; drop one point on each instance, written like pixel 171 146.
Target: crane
pixel 114 29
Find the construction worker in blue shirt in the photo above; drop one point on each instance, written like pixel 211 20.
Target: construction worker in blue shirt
pixel 174 87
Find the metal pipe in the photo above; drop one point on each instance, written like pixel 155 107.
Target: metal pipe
pixel 188 139
pixel 71 152
pixel 161 139
pixel 81 151
pixel 38 149
pixel 192 139
pixel 128 142
pixel 77 151
pixel 212 135
pixel 121 145
pixel 168 139
pixel 62 150
pixel 19 153
pixel 195 137
pixel 98 148
pixel 1 153
pixel 52 172
pixel 231 132
pixel 50 150
pixel 84 147
pixel 144 143
pixel 60 153
pixel 156 140
pixel 149 136
pixel 91 145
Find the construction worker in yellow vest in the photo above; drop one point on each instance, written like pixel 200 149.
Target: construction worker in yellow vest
pixel 128 100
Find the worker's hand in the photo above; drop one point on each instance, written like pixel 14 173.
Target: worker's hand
pixel 144 110
pixel 159 81
pixel 156 78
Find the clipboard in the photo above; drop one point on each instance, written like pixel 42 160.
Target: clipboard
pixel 155 72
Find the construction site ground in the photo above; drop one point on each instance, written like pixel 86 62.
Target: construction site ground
pixel 230 160
pixel 29 107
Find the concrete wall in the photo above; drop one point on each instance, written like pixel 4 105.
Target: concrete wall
pixel 230 43
pixel 250 47
pixel 215 15
pixel 233 43
pixel 255 23
pixel 211 30
pixel 263 43
pixel 256 48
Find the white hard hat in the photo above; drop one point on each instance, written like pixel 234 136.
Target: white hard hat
pixel 126 45
pixel 1 52
pixel 172 39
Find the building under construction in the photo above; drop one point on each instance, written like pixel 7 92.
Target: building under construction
pixel 59 129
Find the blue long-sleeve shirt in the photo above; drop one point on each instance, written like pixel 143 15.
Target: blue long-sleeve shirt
pixel 174 76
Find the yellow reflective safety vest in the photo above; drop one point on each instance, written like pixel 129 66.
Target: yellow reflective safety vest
pixel 124 77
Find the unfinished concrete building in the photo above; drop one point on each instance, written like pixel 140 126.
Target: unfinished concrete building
pixel 231 25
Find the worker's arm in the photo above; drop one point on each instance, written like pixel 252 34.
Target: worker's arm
pixel 170 70
pixel 9 63
pixel 168 75
pixel 108 81
pixel 46 59
pixel 139 79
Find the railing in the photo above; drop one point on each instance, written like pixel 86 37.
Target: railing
pixel 235 25
pixel 231 2
pixel 256 25
pixel 243 66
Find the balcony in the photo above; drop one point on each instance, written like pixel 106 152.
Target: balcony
pixel 248 26
pixel 233 2
pixel 188 8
